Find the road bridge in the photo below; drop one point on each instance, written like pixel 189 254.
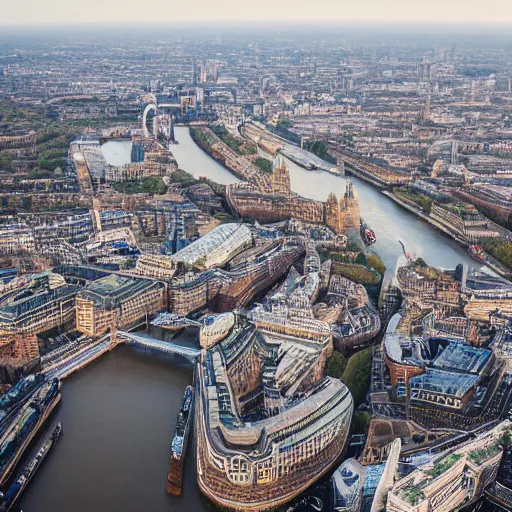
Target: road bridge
pixel 143 340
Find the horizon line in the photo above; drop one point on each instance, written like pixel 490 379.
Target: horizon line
pixel 285 22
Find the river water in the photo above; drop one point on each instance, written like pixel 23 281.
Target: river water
pixel 193 159
pixel 389 221
pixel 118 414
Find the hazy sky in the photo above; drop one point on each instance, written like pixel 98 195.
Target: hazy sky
pixel 72 11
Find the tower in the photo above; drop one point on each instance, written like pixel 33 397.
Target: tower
pixel 280 177
pixel 426 112
pixel 331 212
pixel 427 71
pixel 171 129
pixel 348 210
pixel 453 153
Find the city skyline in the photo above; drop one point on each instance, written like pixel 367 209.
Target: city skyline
pixel 293 238
pixel 373 11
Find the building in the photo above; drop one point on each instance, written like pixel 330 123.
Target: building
pixel 217 247
pixel 347 486
pixel 250 461
pixel 279 203
pixel 439 371
pixel 215 328
pixel 44 305
pixel 457 477
pixel 251 273
pixel 343 214
pixel 117 301
pixel 157 266
pixel 280 178
pixel 16 239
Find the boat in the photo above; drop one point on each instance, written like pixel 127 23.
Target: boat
pixel 13 493
pixel 477 252
pixel 179 443
pixel 25 425
pixel 367 234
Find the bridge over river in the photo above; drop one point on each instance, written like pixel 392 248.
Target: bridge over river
pixel 143 340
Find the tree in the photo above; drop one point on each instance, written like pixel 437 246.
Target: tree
pixel 506 439
pixel 376 263
pixel 263 164
pixel 6 161
pixel 335 365
pixel 357 374
pixel 153 185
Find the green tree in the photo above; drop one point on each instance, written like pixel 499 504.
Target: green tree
pixel 263 164
pixel 320 149
pixel 6 161
pixel 153 185
pixel 335 365
pixel 420 262
pixel 501 250
pixel 375 262
pixel 357 374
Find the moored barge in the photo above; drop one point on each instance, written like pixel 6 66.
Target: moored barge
pixel 25 426
pixel 12 495
pixel 179 443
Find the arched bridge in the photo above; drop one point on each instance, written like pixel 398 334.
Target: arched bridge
pixel 146 341
pixel 145 130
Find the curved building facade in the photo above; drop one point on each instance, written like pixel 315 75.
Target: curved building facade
pixel 262 461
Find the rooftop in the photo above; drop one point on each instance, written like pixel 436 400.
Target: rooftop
pixel 113 289
pixel 463 358
pixel 439 381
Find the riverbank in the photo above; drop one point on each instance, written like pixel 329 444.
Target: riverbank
pixel 265 139
pixel 351 171
pixel 491 262
pixel 382 187
pixel 207 147
pixel 382 214
pixel 426 218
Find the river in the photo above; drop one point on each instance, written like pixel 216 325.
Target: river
pixel 118 414
pixel 194 160
pixel 390 222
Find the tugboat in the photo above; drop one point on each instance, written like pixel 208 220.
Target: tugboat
pixel 13 493
pixel 477 252
pixel 179 443
pixel 367 234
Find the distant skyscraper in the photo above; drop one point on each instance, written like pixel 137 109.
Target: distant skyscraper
pixel 171 129
pixel 427 112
